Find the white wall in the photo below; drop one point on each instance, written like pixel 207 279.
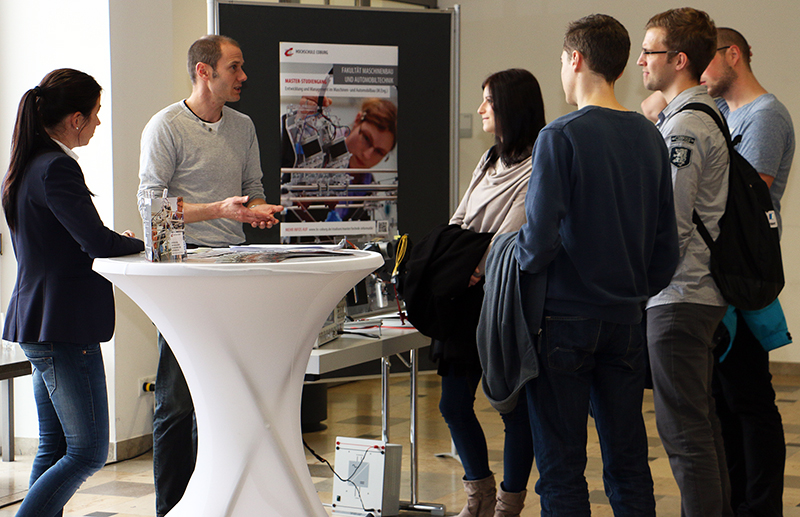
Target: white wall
pixel 149 41
pixel 82 44
pixel 140 81
pixel 136 51
pixel 500 34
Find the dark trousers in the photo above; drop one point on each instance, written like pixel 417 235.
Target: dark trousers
pixel 587 362
pixel 174 432
pixel 680 344
pixel 751 426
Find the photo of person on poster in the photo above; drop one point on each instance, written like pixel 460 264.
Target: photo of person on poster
pixel 367 141
pixel 322 87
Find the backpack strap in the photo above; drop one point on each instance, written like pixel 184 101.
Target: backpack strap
pixel 723 127
pixel 708 110
pixel 701 227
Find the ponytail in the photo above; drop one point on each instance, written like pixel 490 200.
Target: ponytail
pixel 61 93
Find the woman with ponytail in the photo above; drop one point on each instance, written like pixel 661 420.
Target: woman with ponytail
pixel 60 310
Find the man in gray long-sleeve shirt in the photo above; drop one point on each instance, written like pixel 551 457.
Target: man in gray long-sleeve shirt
pixel 208 153
pixel 682 318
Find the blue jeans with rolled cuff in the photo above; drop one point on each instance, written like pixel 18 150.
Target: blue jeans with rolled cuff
pixel 69 387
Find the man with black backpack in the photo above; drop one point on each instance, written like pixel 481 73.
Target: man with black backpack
pixel 752 428
pixel 682 318
pixel 751 423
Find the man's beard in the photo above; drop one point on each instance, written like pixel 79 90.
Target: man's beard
pixel 723 84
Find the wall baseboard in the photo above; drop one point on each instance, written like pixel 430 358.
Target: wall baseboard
pixel 127 449
pixel 784 368
pixel 130 448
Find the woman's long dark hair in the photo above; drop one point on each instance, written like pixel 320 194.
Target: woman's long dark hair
pixel 518 114
pixel 61 93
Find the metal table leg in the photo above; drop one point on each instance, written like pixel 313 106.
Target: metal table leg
pixel 8 427
pixel 452 454
pixel 385 367
pixel 414 504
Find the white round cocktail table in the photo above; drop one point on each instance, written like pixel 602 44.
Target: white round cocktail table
pixel 243 334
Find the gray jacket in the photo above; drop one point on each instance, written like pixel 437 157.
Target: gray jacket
pixel 509 324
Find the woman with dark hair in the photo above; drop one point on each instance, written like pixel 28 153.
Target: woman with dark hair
pixel 512 110
pixel 60 310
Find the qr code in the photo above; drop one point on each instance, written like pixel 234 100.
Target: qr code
pixel 383 227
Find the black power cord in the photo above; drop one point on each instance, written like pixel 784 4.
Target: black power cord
pixel 349 479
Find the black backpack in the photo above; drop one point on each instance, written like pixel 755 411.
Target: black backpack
pixel 746 257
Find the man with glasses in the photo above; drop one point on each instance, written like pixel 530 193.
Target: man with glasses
pixel 755 446
pixel 682 318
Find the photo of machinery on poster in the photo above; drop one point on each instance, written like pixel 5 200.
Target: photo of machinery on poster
pixel 339 142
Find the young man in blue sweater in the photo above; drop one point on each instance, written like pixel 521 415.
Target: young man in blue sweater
pixel 601 222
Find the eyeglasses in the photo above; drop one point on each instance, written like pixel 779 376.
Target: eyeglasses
pixel 650 52
pixel 724 48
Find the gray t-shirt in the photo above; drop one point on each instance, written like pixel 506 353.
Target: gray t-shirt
pixel 767 140
pixel 202 162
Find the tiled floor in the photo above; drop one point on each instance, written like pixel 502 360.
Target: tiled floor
pixel 126 489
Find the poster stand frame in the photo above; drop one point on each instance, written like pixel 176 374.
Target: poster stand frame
pixel 427 141
pixel 430 196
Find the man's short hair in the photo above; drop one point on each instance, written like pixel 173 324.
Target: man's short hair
pixel 690 31
pixel 208 50
pixel 602 41
pixel 727 37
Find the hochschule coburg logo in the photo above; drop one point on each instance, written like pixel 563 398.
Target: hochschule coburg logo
pixel 289 52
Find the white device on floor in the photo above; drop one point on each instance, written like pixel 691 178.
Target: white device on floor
pixel 370 472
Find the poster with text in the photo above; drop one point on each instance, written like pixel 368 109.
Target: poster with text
pixel 339 141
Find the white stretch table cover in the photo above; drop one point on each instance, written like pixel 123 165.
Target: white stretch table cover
pixel 242 334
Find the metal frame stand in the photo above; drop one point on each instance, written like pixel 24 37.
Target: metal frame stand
pixel 413 504
pixel 7 393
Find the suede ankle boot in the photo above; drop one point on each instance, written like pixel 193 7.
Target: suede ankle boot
pixel 509 504
pixel 481 498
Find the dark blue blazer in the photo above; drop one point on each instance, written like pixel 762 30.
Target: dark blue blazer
pixel 57 296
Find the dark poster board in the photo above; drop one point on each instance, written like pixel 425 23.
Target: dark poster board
pixel 424 44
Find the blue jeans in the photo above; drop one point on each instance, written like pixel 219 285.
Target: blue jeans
pixel 174 431
pixel 457 408
pixel 588 361
pixel 69 386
